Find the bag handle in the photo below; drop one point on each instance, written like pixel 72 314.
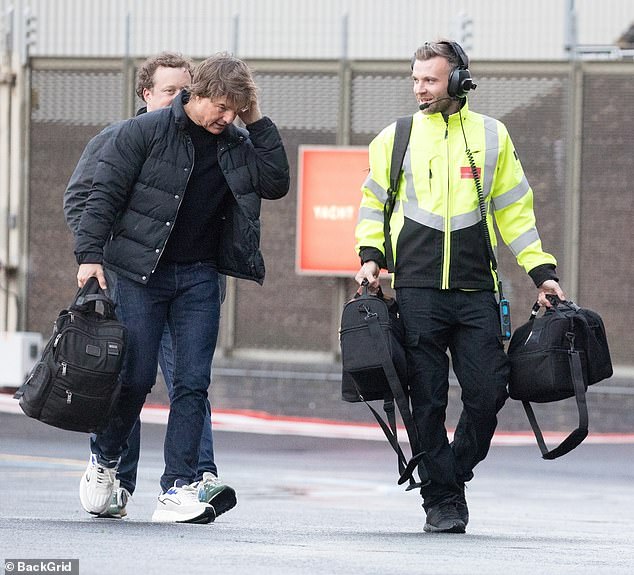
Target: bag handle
pixel 87 297
pixel 555 302
pixel 363 290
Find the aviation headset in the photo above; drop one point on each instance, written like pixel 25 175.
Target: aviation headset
pixel 460 81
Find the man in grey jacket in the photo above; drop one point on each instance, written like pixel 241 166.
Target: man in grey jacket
pixel 159 80
pixel 175 201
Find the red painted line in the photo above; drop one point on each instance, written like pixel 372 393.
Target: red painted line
pixel 253 421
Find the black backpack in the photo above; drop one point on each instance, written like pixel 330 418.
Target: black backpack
pixel 556 356
pixel 374 367
pixel 368 323
pixel 76 382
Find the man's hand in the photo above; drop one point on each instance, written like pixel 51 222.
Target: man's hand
pixel 86 271
pixel 550 287
pixel 369 271
pixel 251 113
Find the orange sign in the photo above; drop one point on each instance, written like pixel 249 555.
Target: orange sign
pixel 329 192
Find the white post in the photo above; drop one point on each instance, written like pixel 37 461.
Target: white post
pixel 570 32
pixel 7 81
pixel 573 173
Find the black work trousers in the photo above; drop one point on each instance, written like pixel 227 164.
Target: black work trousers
pixel 467 324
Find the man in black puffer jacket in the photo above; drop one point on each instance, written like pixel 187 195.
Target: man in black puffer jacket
pixel 175 201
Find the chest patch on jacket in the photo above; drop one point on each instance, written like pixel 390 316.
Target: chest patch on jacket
pixel 467 174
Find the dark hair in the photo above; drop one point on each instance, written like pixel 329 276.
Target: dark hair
pixel 444 49
pixel 145 73
pixel 224 75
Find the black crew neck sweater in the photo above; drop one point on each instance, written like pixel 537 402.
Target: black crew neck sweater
pixel 195 234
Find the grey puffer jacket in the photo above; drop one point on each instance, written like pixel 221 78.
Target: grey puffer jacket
pixel 139 185
pixel 80 183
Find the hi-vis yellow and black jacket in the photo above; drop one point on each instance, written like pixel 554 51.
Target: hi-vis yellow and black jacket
pixel 437 238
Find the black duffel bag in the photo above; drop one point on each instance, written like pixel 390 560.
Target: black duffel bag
pixel 556 356
pixel 76 382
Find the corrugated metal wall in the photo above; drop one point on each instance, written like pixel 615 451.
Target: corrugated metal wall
pixel 374 29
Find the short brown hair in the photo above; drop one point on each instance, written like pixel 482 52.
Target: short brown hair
pixel 224 75
pixel 145 73
pixel 442 48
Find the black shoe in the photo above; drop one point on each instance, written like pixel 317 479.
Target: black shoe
pixel 461 506
pixel 444 518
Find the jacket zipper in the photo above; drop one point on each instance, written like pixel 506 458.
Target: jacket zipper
pixel 191 169
pixel 444 282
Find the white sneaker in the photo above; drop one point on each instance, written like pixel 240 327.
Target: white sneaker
pixel 118 502
pixel 180 504
pixel 211 490
pixel 96 486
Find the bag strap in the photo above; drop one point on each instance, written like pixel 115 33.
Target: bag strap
pixel 390 432
pixel 401 141
pixel 381 349
pixel 579 434
pixel 88 295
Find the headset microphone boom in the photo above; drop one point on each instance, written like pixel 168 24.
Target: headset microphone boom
pixel 426 105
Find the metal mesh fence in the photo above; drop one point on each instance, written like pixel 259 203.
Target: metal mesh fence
pixel 607 206
pixel 294 313
pixel 77 98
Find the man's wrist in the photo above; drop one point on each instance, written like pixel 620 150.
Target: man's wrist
pixel 88 258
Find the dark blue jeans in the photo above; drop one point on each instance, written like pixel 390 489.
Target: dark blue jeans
pixel 467 324
pixel 130 457
pixel 186 297
pixel 206 455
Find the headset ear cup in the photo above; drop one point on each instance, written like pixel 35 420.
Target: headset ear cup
pixel 459 83
pixel 453 83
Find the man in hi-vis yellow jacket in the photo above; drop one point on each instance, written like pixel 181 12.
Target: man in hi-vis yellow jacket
pixel 443 278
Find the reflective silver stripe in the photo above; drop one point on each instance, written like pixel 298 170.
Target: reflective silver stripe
pixel 370 214
pixel 491 141
pixel 411 209
pixel 462 221
pixel 523 241
pixel 514 194
pixel 465 220
pixel 376 189
pixel 413 212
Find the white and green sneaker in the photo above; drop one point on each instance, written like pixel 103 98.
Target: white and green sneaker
pixel 118 502
pixel 180 504
pixel 211 490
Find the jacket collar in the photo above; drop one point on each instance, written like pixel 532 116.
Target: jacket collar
pixel 438 118
pixel 231 134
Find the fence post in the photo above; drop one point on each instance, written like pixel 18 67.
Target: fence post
pixel 574 136
pixel 344 129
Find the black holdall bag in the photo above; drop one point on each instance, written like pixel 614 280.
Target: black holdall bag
pixel 364 376
pixel 76 382
pixel 556 356
pixel 374 367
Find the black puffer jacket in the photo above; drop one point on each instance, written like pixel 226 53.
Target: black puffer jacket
pixel 139 185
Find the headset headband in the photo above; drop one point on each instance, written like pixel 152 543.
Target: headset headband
pixel 463 59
